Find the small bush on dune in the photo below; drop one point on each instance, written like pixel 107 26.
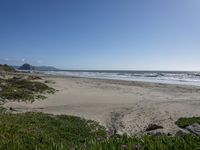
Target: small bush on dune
pixel 29 85
pixel 17 89
pixel 6 68
pixel 184 122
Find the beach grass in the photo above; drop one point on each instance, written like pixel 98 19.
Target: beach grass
pixel 184 122
pixel 186 142
pixel 23 89
pixel 6 68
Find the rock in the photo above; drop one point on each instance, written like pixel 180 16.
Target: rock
pixel 136 147
pixel 112 131
pixel 11 109
pixel 153 127
pixel 181 132
pixel 194 129
pixel 26 67
pixel 169 134
pixel 155 133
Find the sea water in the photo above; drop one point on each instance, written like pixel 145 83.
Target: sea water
pixel 170 77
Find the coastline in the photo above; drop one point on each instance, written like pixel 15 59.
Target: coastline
pixel 163 77
pixel 120 81
pixel 127 106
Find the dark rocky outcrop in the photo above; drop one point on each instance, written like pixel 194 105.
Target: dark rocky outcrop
pixel 194 129
pixel 153 127
pixel 36 68
pixel 26 67
pixel 182 132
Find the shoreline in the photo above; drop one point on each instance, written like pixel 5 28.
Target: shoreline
pixel 120 81
pixel 127 106
pixel 186 78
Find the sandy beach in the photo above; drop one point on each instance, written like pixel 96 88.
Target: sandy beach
pixel 127 106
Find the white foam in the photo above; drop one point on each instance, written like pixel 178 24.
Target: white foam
pixel 156 77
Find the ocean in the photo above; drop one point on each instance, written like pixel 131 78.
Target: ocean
pixel 169 77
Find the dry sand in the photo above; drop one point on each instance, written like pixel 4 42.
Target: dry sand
pixel 129 107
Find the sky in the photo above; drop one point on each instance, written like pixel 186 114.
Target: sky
pixel 101 34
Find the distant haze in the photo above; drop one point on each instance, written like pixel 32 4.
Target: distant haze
pixel 101 35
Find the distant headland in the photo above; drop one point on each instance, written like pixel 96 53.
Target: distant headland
pixel 27 66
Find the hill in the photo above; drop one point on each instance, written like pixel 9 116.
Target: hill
pixel 37 68
pixel 44 68
pixel 6 68
pixel 26 67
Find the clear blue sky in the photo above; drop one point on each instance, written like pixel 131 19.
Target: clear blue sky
pixel 101 34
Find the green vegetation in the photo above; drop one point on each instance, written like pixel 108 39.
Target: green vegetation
pixel 2 110
pixel 187 142
pixel 6 68
pixel 44 131
pixel 39 131
pixel 22 89
pixel 184 122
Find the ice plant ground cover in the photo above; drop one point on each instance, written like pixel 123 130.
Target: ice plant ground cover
pixel 60 132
